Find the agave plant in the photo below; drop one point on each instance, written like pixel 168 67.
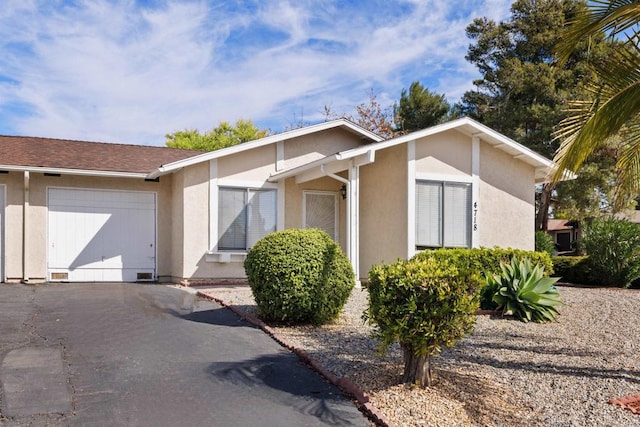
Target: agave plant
pixel 523 291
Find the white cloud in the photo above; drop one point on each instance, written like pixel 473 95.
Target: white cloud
pixel 108 70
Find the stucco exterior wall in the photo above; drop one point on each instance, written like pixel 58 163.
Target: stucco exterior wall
pixel 383 209
pixel 14 199
pixel 250 166
pixel 506 200
pixel 195 222
pixel 36 238
pixel 447 153
pixel 177 227
pixel 308 148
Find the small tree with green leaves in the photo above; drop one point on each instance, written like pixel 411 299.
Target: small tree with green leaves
pixel 424 304
pixel 222 136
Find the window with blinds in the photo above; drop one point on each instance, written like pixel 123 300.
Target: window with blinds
pixel 443 214
pixel 244 217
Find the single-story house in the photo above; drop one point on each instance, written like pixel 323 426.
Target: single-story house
pixel 85 211
pixel 564 233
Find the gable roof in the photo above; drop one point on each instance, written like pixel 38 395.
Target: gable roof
pixel 559 225
pixel 465 125
pixel 271 139
pixel 24 153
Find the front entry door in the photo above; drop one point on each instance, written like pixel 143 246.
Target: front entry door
pixel 320 210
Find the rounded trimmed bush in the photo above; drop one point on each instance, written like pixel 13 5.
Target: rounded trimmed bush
pixel 299 276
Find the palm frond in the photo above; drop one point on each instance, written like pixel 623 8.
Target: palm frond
pixel 611 17
pixel 628 166
pixel 616 102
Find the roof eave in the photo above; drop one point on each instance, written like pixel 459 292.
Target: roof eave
pixel 65 171
pixel 267 140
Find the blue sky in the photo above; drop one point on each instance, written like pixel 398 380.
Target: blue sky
pixel 131 71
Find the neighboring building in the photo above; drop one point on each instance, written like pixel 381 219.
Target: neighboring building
pixel 80 211
pixel 631 215
pixel 564 233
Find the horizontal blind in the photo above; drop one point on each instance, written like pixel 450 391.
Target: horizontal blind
pixel 262 215
pixel 457 215
pixel 232 218
pixel 428 214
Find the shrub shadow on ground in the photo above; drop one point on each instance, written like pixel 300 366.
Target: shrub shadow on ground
pixel 283 375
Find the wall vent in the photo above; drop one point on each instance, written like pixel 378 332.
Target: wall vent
pixel 59 276
pixel 144 276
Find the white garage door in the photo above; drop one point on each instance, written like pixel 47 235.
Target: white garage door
pixel 101 236
pixel 2 190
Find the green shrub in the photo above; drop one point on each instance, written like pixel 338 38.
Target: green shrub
pixel 524 292
pixel 424 303
pixel 544 243
pixel 613 247
pixel 486 261
pixel 299 276
pixel 572 269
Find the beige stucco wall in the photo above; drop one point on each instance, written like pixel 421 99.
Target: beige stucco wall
pixel 251 166
pixel 308 148
pixel 506 200
pixel 447 153
pixel 383 209
pixel 194 223
pixel 36 238
pixel 12 250
pixel 177 226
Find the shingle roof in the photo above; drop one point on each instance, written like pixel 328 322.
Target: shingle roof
pixel 559 225
pixel 82 155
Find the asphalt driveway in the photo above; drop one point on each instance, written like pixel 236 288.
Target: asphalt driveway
pixel 138 355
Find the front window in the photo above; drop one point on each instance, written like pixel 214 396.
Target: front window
pixel 443 214
pixel 245 216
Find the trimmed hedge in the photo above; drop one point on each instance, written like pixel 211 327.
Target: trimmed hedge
pixel 486 263
pixel 487 260
pixel 299 276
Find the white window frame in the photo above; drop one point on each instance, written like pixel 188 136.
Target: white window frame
pixel 247 191
pixel 443 213
pixel 336 209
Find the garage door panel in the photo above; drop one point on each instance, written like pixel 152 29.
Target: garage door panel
pixel 72 240
pixel 102 235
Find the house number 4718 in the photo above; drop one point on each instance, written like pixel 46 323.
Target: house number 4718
pixel 475 216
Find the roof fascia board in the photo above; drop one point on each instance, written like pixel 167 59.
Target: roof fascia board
pixel 296 133
pixel 319 171
pixel 527 152
pixel 302 168
pixel 64 171
pixel 454 124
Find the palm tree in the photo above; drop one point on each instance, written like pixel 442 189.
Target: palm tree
pixel 614 108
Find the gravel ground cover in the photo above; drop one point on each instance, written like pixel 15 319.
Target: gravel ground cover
pixel 505 373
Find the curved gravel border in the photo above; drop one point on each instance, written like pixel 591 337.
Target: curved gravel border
pixel 505 373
